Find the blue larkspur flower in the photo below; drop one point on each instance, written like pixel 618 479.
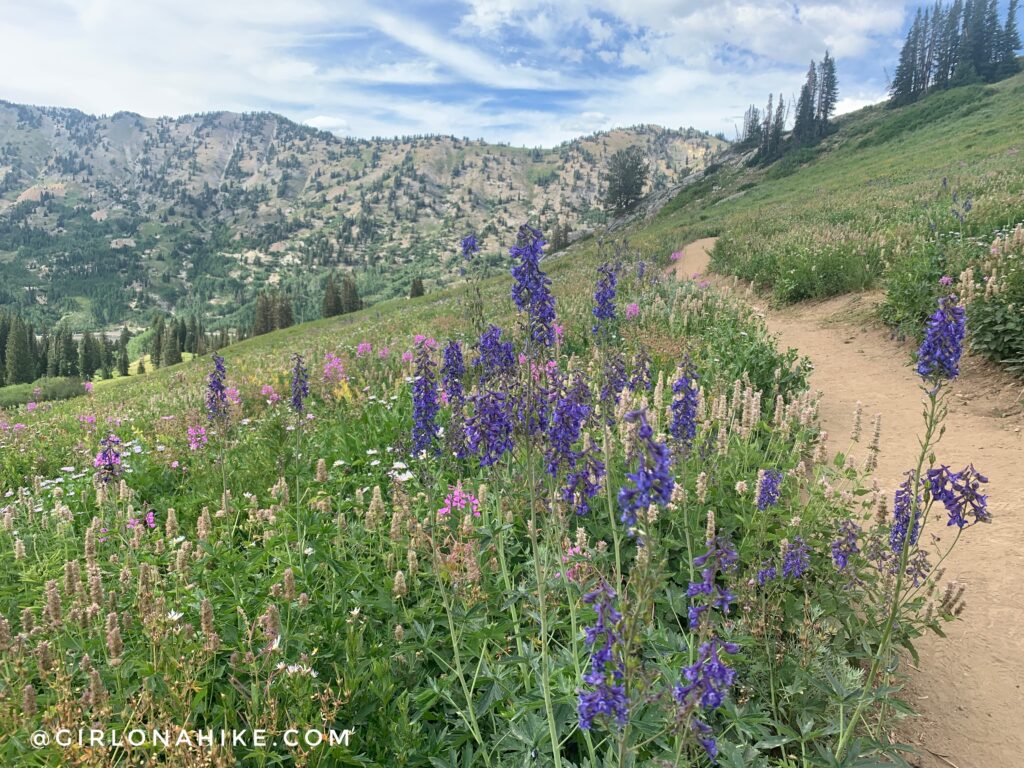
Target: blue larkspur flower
pixel 707 684
pixel 489 429
pixel 641 378
pixel 453 369
pixel 300 383
pixel 216 392
pixel 906 513
pixel 845 546
pixel 652 481
pixel 960 493
pixel 684 405
pixel 494 356
pixel 604 298
pixel 469 246
pixel 606 697
pixel 939 355
pixel 709 593
pixel 570 411
pixel 531 288
pixel 424 401
pixel 796 558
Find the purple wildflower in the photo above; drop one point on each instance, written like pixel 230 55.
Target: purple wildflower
pixel 607 697
pixel 604 298
pixel 216 393
pixel 905 499
pixel 707 684
pixel 796 558
pixel 531 291
pixel 960 493
pixel 641 378
pixel 844 547
pixel 568 415
pixel 939 355
pixel 767 573
pixel 469 246
pixel 300 383
pixel 489 429
pixel 495 357
pixel 108 459
pixel 769 482
pixel 452 371
pixel 652 482
pixel 684 407
pixel 719 559
pixel 583 483
pixel 424 401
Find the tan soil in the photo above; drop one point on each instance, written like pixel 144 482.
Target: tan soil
pixel 967 687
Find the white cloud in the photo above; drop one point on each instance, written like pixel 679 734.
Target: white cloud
pixel 377 67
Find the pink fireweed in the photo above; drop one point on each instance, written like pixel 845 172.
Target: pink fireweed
pixel 407 356
pixel 334 369
pixel 383 352
pixel 196 438
pixel 88 387
pixel 233 395
pixel 461 500
pixel 363 348
pixel 31 406
pixel 268 392
pixel 427 341
pixel 676 256
pixel 632 310
pixel 559 332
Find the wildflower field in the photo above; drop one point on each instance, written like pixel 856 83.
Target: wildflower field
pixel 576 515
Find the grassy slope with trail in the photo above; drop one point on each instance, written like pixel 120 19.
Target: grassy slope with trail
pixel 874 201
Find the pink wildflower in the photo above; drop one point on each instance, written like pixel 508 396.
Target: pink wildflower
pixel 459 499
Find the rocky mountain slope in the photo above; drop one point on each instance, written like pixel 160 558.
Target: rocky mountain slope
pixel 103 219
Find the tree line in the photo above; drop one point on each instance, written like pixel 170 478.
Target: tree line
pixel 766 131
pixel 26 356
pixel 956 44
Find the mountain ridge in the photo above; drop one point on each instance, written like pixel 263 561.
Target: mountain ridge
pixel 213 207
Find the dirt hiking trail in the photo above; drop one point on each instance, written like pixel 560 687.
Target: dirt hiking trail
pixel 968 686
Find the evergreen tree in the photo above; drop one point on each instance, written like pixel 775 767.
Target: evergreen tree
pixel 106 352
pixel 1009 44
pixel 332 298
pixel 170 349
pixel 751 135
pixel 627 176
pixel 263 321
pixel 805 129
pixel 157 346
pixel 350 301
pixel 20 368
pixel 5 330
pixel 828 93
pixel 68 356
pixel 417 288
pixel 122 352
pixel 141 367
pixel 283 316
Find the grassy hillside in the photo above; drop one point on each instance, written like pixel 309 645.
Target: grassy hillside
pixel 898 198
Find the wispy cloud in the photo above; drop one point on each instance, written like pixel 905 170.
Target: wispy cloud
pixel 524 71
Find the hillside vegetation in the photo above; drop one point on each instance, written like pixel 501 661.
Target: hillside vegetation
pixel 921 200
pixel 106 219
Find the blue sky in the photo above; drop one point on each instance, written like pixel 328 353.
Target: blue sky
pixel 530 72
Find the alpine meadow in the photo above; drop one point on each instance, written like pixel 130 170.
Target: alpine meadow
pixel 644 447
